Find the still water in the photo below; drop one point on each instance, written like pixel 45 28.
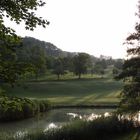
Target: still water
pixel 51 119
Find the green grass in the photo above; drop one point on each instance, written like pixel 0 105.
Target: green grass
pixel 67 91
pixel 69 76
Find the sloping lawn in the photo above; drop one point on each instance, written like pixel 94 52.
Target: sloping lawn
pixel 71 92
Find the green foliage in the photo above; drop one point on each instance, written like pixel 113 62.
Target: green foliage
pixel 13 108
pixel 81 62
pixel 67 63
pixel 98 69
pixel 38 60
pixel 2 92
pixel 50 49
pixel 115 72
pixel 58 67
pixel 7 61
pixel 10 66
pixel 34 55
pixel 102 63
pixel 19 11
pixel 41 55
pixel 118 63
pixel 131 73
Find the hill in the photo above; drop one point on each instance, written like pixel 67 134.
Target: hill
pixel 34 50
pixel 50 49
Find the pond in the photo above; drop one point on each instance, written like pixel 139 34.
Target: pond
pixel 51 119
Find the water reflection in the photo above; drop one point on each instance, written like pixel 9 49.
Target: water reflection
pixel 52 119
pixel 133 117
pixel 74 116
pixel 51 126
pixel 89 117
pixel 20 134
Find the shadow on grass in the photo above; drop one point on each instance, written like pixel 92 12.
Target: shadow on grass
pixel 73 79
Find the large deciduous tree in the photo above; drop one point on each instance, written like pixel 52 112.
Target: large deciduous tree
pixel 131 72
pixel 81 62
pixel 58 67
pixel 38 60
pixel 17 11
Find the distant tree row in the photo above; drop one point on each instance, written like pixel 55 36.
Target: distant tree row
pixel 82 64
pixel 26 60
pixel 77 64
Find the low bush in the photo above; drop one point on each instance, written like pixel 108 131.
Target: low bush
pixel 13 108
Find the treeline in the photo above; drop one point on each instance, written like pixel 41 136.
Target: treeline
pixel 32 58
pixel 46 56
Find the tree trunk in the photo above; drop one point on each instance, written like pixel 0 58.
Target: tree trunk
pixel 79 77
pixel 58 76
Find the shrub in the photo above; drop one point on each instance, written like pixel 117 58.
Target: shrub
pixel 13 108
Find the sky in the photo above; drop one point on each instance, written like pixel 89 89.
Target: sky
pixel 97 27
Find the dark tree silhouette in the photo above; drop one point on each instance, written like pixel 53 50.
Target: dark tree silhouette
pixel 17 11
pixel 58 67
pixel 131 72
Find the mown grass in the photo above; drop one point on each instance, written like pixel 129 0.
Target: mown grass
pixel 71 91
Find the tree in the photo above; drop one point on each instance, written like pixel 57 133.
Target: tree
pixel 50 61
pixel 118 63
pixel 67 63
pixel 38 60
pixel 7 64
pixel 17 11
pixel 102 63
pixel 115 71
pixel 10 66
pixel 58 67
pixel 98 69
pixel 80 63
pixel 131 72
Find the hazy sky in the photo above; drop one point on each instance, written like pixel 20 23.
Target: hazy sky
pixel 92 26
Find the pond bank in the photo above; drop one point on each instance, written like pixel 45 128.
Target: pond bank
pixel 110 128
pixel 15 108
pixel 54 117
pixel 100 106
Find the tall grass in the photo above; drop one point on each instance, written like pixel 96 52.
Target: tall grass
pixel 109 128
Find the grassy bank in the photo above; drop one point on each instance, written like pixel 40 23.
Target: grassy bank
pixel 71 91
